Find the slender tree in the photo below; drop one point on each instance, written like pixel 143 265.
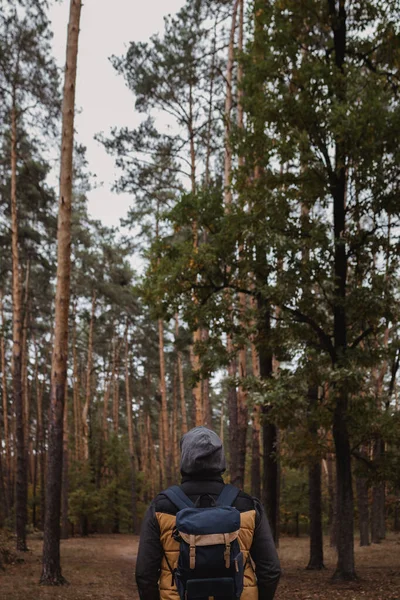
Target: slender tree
pixel 51 574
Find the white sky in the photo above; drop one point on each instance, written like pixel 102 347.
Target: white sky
pixel 102 99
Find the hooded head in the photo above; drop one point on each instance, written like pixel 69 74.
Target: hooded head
pixel 202 453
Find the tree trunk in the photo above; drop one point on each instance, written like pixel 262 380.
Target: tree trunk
pixel 51 574
pixel 270 433
pixel 233 421
pixel 21 477
pixel 255 421
pixel 3 495
pixel 345 569
pixel 174 436
pixel 5 406
pixel 76 394
pixel 152 457
pixel 256 452
pixel 363 510
pixel 196 390
pixel 184 423
pixel 65 473
pixel 116 390
pixel 205 389
pixel 332 510
pixel 86 408
pixel 197 335
pixel 166 456
pixel 271 474
pixel 161 453
pixel 24 372
pixel 129 419
pixel 316 561
pixel 237 453
pixel 42 455
pixel 378 529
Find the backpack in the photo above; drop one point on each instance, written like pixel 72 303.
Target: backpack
pixel 210 561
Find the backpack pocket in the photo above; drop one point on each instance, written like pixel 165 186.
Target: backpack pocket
pixel 221 587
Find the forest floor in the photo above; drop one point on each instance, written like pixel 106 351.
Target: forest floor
pixel 101 567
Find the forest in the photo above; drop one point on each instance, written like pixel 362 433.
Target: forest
pixel 252 287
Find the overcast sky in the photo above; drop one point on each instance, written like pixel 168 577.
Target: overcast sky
pixel 102 99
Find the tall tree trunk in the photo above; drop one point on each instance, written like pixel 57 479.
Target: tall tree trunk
pixel 255 421
pixel 345 569
pixel 42 453
pixel 316 561
pixel 270 434
pixel 271 473
pixel 21 477
pixel 161 452
pixel 65 472
pixel 221 424
pixel 51 574
pixel 184 423
pixel 86 408
pixel 24 371
pixel 115 409
pixel 363 510
pixel 378 498
pixel 152 457
pixel 235 449
pixel 197 335
pixel 37 441
pixel 129 419
pixel 332 507
pixel 174 435
pixel 76 394
pixel 256 452
pixel 243 411
pixel 166 456
pixel 5 405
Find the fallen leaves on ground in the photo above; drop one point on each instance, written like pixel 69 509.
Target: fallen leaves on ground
pixel 101 567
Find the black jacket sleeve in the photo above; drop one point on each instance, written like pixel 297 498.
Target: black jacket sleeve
pixel 265 557
pixel 148 564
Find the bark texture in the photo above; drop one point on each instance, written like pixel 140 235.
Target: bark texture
pixel 363 510
pixel 21 516
pixel 129 418
pixel 166 455
pixel 51 573
pixel 316 561
pixel 86 407
pixel 184 423
pixel 345 568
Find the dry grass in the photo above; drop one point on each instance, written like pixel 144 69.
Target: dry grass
pixel 102 568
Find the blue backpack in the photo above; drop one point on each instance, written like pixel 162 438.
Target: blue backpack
pixel 210 561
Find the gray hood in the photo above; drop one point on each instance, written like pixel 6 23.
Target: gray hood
pixel 202 452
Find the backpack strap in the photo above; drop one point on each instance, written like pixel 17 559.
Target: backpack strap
pixel 178 497
pixel 228 495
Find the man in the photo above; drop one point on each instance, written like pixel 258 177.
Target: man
pixel 202 465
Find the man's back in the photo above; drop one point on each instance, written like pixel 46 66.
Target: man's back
pixel 202 483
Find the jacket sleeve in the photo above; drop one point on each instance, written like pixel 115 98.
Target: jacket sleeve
pixel 150 553
pixel 265 557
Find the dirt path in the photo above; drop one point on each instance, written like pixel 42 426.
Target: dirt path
pixel 102 568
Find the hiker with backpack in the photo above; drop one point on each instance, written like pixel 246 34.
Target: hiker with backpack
pixel 204 538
